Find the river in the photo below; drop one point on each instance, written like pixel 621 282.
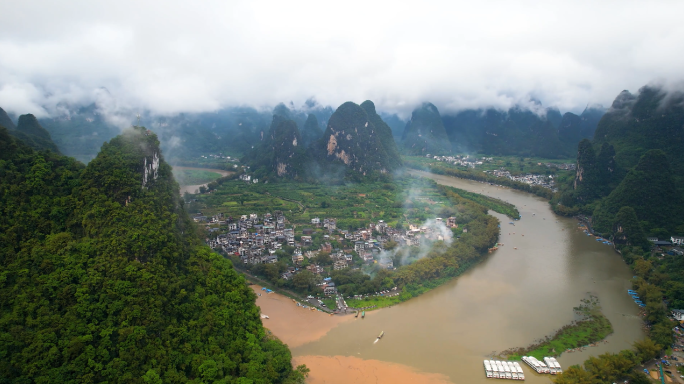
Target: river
pixel 512 298
pixel 195 188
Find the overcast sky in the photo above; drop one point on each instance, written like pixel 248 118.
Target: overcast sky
pixel 183 56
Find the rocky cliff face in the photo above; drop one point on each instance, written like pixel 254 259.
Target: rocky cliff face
pixel 287 149
pixel 352 140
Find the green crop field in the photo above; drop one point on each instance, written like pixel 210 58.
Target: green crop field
pixel 194 176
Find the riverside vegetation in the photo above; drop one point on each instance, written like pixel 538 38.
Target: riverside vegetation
pixel 103 278
pixel 591 328
pixel 450 170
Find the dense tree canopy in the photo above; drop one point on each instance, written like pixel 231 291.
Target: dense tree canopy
pixel 103 279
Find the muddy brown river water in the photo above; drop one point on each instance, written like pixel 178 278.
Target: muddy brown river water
pixel 512 298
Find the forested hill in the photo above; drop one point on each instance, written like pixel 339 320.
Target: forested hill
pixel 102 278
pixel 29 131
pixel 424 133
pixel 635 160
pixel 520 131
pixel 5 120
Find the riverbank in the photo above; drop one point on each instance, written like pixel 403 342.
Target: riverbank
pixel 589 331
pixel 482 177
pixel 412 290
pixel 286 320
pixel 348 369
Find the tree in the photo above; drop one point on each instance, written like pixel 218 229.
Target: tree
pixel 574 375
pixel 628 230
pixel 647 349
pixel 304 281
pixel 151 377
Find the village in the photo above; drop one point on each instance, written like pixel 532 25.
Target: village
pixel 462 160
pixel 264 239
pixel 545 181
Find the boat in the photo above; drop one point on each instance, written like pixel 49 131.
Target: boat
pixel 363 314
pixel 521 374
pixel 502 372
pixel 495 369
pixel 357 314
pixel 549 363
pixel 507 370
pixel 381 335
pixel 488 369
pixel 556 364
pixel 535 364
pixel 264 316
pixel 514 372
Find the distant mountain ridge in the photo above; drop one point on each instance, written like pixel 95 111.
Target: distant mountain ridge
pixel 235 130
pixel 520 131
pixel 29 131
pixel 425 133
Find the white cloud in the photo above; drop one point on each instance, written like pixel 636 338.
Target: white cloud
pixel 173 56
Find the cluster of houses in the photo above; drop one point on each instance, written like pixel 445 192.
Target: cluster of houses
pixel 564 166
pixel 256 239
pixel 540 180
pixel 462 160
pixel 247 178
pixel 676 242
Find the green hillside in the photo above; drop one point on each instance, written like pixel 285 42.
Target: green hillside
pixel 5 120
pixel 311 131
pixel 518 132
pixel 649 189
pixel 652 119
pixel 384 134
pixel 635 160
pixel 103 279
pixel 425 133
pixel 31 133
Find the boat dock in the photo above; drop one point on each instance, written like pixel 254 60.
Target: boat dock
pixel 503 370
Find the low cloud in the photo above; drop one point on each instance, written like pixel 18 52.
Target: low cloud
pixel 176 57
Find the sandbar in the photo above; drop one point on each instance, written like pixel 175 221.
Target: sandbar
pixel 348 369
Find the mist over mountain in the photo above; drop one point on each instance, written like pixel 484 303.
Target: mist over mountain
pixel 573 128
pixel 425 133
pixel 519 131
pixel 634 160
pixel 311 131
